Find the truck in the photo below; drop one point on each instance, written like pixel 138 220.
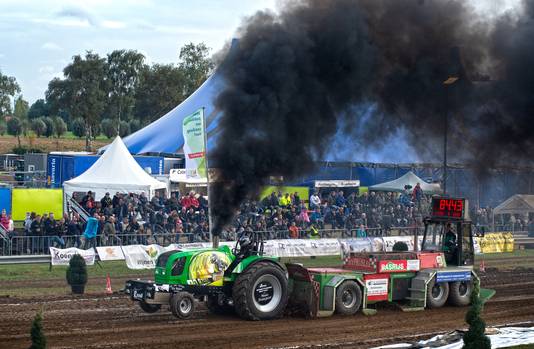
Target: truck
pixel 243 281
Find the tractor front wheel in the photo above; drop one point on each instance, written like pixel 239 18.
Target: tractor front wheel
pixel 182 305
pixel 437 294
pixel 348 298
pixel 460 293
pixel 149 308
pixel 260 292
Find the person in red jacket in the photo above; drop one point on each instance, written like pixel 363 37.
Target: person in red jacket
pixel 189 201
pixel 4 220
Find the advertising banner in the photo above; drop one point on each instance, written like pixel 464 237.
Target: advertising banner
pixel 194 145
pixel 137 258
pixel 62 256
pixel 377 287
pixel 301 247
pixel 37 200
pixel 390 241
pixel 110 253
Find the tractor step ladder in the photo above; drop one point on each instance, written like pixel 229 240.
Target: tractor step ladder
pixel 418 290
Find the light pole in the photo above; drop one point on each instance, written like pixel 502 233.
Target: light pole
pixel 450 80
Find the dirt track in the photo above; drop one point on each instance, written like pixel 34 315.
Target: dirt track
pixel 98 321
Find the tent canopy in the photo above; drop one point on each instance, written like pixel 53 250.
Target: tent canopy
pixel 165 134
pixel 516 204
pixel 408 179
pixel 115 171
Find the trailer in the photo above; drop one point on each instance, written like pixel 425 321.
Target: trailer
pixel 242 280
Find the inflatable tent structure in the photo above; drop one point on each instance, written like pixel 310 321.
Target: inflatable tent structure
pixel 165 134
pixel 115 171
pixel 408 179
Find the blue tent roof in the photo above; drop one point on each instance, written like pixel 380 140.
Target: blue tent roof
pixel 165 134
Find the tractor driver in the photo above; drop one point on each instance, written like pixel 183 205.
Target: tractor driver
pixel 450 246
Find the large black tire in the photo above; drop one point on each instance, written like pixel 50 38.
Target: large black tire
pixel 260 292
pixel 348 298
pixel 182 305
pixel 149 308
pixel 437 294
pixel 215 308
pixel 460 293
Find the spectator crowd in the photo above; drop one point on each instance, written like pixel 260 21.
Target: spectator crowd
pixel 133 218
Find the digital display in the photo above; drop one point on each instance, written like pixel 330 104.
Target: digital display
pixel 448 208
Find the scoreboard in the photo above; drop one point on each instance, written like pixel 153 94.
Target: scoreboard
pixel 448 208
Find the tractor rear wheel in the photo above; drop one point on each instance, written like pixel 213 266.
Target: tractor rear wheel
pixel 260 292
pixel 437 294
pixel 460 293
pixel 220 309
pixel 348 298
pixel 149 308
pixel 182 305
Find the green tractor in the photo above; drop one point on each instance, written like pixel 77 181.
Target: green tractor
pixel 239 280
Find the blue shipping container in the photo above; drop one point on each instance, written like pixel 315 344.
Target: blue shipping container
pixel 61 167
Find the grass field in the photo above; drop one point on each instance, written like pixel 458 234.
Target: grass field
pixel 66 143
pixel 27 279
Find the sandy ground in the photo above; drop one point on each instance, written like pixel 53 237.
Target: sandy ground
pixel 102 321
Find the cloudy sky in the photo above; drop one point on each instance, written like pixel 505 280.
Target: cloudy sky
pixel 38 38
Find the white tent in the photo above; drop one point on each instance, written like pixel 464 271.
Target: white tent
pixel 408 179
pixel 115 171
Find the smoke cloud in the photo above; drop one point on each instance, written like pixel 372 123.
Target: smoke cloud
pixel 371 69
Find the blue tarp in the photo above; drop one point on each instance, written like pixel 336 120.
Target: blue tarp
pixel 165 134
pixel 5 199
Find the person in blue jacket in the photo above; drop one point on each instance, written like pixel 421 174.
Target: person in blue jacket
pixel 90 232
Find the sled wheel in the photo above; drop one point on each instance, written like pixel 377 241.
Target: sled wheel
pixel 437 294
pixel 348 298
pixel 460 293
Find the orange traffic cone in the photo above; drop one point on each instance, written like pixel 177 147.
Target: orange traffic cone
pixel 482 267
pixel 108 285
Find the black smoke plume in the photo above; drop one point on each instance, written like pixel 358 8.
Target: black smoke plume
pixel 296 76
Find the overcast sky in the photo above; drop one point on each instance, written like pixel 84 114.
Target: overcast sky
pixel 38 38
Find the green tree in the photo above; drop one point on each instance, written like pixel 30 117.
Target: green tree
pixel 3 128
pixel 135 125
pixel 475 338
pixel 37 109
pixel 124 128
pixel 160 89
pixel 14 128
pixel 38 126
pixel 60 127
pixel 8 89
pixel 83 91
pixel 37 335
pixel 108 128
pixel 195 65
pixel 49 122
pixel 124 67
pixel 21 108
pixel 78 127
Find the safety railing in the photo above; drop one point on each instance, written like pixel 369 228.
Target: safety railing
pixel 36 245
pixel 76 207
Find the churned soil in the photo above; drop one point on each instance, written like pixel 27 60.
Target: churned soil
pixel 113 321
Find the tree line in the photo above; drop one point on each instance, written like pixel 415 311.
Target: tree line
pixel 113 95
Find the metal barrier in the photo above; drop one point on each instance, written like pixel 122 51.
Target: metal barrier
pixel 76 207
pixel 38 245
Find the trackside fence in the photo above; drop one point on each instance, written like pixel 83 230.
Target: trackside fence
pixel 39 245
